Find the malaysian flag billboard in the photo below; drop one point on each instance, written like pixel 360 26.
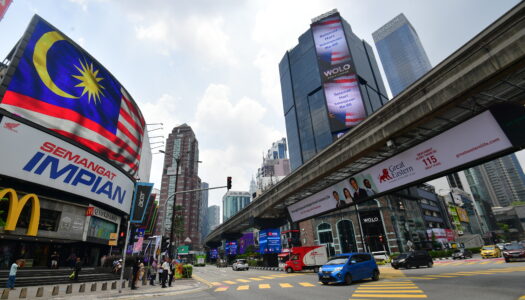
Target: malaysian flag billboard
pixel 56 84
pixel 340 83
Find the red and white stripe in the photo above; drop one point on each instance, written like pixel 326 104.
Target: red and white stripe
pixel 123 148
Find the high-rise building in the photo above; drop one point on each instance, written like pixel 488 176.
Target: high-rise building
pixel 330 82
pixel 203 207
pixel 275 166
pixel 180 173
pixel 253 187
pixel 233 202
pixel 214 216
pixel 401 52
pixel 500 180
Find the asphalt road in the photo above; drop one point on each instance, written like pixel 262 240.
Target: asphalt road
pixel 467 279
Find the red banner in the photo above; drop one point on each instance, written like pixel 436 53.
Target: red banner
pixel 4 4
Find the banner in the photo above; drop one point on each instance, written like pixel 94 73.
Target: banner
pixel 4 5
pixel 340 83
pixel 38 157
pixel 469 141
pixel 140 201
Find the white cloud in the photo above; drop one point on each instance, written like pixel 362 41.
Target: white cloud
pixel 200 36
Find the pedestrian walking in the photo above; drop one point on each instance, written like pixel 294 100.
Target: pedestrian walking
pixel 153 272
pixel 55 257
pixel 165 271
pixel 135 274
pixel 78 267
pixel 12 273
pixel 172 272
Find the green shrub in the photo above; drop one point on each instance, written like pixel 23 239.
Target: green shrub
pixel 187 270
pixel 475 250
pixel 394 255
pixel 440 253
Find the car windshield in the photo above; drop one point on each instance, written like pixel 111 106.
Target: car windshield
pixel 241 261
pixel 488 248
pixel 403 255
pixel 514 247
pixel 457 251
pixel 339 260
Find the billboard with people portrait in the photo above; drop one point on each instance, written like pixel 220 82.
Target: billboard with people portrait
pixel 340 83
pixel 472 140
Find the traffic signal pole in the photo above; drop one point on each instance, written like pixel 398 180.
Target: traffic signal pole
pixel 124 255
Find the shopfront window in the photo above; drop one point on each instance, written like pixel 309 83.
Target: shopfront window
pixel 99 228
pixel 346 236
pixel 324 231
pixel 49 219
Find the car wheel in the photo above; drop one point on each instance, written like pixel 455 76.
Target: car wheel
pixel 507 260
pixel 233 269
pixel 430 264
pixel 375 275
pixel 395 267
pixel 454 258
pixel 348 279
pixel 289 270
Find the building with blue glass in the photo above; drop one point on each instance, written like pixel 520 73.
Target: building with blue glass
pixel 401 52
pixel 233 202
pixel 329 66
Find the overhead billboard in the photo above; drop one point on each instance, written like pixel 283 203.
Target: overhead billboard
pixel 469 141
pixel 35 156
pixel 341 87
pixel 269 241
pixel 56 84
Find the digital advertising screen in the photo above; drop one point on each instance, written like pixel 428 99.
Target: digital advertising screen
pixel 340 83
pixel 230 248
pixel 270 241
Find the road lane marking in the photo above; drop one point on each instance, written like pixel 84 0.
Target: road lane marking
pixel 441 276
pixel 243 280
pixel 266 277
pixel 221 289
pixel 485 262
pixel 264 286
pixel 522 297
pixel 389 291
pixel 243 287
pixel 388 287
pixel 255 278
pixel 500 262
pixel 215 283
pixel 404 296
pixel 306 284
pixel 285 285
pixel 230 282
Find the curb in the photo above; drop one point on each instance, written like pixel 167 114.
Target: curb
pixel 267 268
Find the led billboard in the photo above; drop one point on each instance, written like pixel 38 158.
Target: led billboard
pixel 341 87
pixel 56 84
pixel 472 140
pixel 32 155
pixel 270 241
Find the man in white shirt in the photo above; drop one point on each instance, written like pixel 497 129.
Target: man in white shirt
pixel 165 271
pixel 12 273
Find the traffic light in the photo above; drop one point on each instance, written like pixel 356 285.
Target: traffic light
pixel 381 238
pixel 229 182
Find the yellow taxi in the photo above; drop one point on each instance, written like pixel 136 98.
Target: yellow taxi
pixel 490 251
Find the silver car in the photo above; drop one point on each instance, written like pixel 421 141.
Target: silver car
pixel 240 264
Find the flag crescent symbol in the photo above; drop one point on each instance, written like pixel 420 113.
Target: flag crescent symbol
pixel 42 46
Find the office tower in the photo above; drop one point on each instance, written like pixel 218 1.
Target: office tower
pixel 500 181
pixel 330 82
pixel 402 55
pixel 214 216
pixel 233 202
pixel 253 187
pixel 180 173
pixel 454 181
pixel 275 166
pixel 203 208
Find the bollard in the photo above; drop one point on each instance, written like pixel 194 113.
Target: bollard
pixel 94 287
pixel 114 285
pixel 55 291
pixel 82 288
pixel 105 286
pixel 69 289
pixel 40 292
pixel 23 293
pixel 123 284
pixel 5 294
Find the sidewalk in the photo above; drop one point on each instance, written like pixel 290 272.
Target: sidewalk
pixel 178 287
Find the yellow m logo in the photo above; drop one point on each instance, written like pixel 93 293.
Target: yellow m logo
pixel 15 209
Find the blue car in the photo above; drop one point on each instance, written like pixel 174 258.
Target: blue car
pixel 349 267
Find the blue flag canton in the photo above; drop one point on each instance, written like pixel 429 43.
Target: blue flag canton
pixel 55 71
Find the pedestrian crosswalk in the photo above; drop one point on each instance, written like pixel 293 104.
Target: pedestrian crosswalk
pixel 388 290
pixel 468 273
pixel 250 279
pixel 263 286
pixel 468 262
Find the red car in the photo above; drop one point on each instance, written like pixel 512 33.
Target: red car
pixel 514 252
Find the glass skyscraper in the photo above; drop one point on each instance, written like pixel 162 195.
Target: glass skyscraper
pixel 303 88
pixel 233 202
pixel 402 55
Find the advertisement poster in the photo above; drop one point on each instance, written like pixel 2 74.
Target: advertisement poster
pixel 270 241
pixel 230 248
pixel 245 241
pixel 340 83
pixel 214 253
pixel 471 140
pixel 33 155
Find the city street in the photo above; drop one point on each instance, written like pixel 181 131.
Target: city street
pixel 466 279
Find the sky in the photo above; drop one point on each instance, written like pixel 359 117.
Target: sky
pixel 214 64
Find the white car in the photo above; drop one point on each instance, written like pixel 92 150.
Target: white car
pixel 240 264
